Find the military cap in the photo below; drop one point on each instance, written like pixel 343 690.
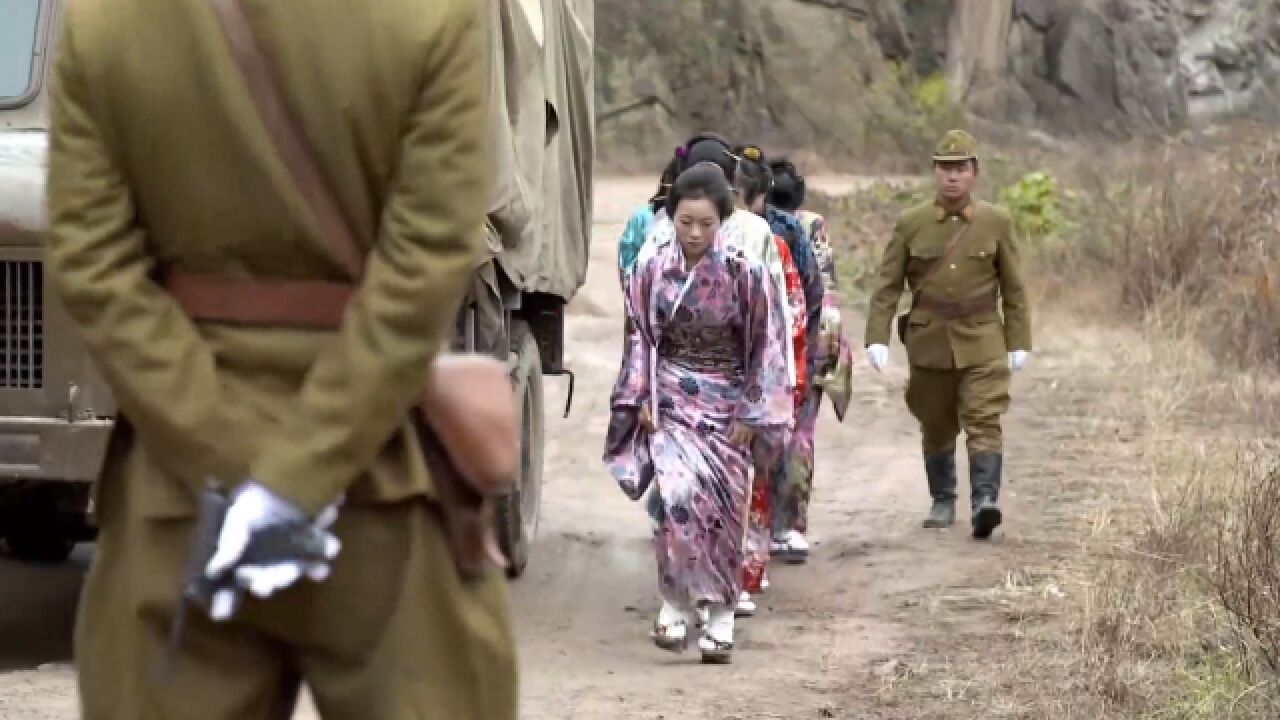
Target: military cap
pixel 956 145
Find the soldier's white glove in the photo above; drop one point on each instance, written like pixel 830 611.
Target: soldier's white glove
pixel 1018 360
pixel 878 356
pixel 254 508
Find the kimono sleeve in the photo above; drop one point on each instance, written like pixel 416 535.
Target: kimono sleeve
pixel 811 278
pixel 632 387
pixel 825 254
pixel 626 451
pixel 777 278
pixel 632 239
pixel 766 399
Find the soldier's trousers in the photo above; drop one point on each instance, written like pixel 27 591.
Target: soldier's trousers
pixel 393 633
pixel 946 401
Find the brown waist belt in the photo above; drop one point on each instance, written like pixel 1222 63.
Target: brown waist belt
pixel 957 309
pixel 246 301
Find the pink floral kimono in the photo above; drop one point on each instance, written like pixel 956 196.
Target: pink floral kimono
pixel 705 348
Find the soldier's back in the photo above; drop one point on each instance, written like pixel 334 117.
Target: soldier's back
pixel 173 107
pixel 160 166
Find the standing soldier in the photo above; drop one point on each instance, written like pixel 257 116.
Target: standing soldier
pixel 960 260
pixel 160 166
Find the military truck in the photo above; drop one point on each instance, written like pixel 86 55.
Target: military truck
pixel 56 412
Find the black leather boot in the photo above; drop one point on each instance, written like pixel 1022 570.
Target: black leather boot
pixel 941 471
pixel 984 480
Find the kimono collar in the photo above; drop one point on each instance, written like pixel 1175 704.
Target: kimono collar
pixel 941 213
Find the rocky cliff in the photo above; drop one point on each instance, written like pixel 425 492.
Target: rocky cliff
pixel 849 77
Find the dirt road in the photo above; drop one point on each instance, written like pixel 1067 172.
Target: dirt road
pixel 585 607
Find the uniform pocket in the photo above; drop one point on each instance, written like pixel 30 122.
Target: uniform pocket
pixel 925 252
pixel 982 251
pixel 984 254
pixel 920 259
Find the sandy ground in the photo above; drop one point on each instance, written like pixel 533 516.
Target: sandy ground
pixel 584 609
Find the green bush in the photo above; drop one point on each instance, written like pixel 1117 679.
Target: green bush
pixel 1034 203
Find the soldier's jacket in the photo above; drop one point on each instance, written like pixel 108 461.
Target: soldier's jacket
pixel 145 172
pixel 984 264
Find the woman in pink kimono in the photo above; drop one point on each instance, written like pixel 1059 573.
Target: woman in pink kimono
pixel 703 377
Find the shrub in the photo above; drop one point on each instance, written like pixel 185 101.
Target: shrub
pixel 1034 205
pixel 1192 234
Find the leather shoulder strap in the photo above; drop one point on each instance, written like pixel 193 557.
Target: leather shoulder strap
pixel 338 234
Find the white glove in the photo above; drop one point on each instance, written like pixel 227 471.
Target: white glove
pixel 1018 360
pixel 878 356
pixel 254 508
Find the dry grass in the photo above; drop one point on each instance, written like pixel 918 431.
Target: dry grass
pixel 1128 604
pixel 1188 235
pixel 1178 617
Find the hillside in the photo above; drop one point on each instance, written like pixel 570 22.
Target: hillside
pixel 862 78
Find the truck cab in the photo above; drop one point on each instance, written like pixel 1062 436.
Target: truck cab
pixel 55 410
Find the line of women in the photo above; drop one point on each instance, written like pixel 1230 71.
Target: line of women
pixel 732 338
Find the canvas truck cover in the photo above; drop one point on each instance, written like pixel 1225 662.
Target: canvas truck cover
pixel 541 57
pixel 542 86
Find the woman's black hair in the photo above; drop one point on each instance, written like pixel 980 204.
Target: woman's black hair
pixel 706 147
pixel 669 174
pixel 787 193
pixel 751 175
pixel 705 180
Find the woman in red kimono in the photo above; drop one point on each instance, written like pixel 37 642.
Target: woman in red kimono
pixel 768 463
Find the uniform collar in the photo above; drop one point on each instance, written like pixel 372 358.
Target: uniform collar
pixel 940 212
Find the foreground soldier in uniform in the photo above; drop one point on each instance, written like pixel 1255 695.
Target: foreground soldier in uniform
pixel 960 259
pixel 159 163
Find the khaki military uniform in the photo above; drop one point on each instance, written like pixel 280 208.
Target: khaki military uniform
pixel 158 159
pixel 956 337
pixel 963 321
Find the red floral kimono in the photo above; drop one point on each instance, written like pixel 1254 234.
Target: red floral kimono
pixel 759 522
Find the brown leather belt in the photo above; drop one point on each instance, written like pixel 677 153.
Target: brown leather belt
pixel 957 309
pixel 309 304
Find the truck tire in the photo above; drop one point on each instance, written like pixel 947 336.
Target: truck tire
pixel 39 547
pixel 517 513
pixel 34 532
